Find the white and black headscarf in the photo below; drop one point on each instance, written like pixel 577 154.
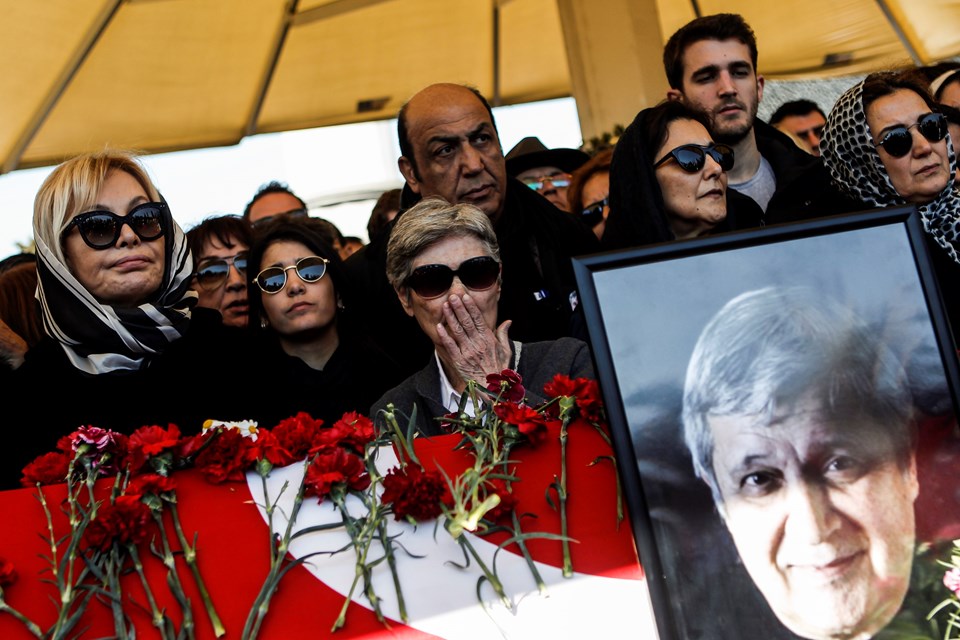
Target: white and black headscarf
pixel 99 338
pixel 856 168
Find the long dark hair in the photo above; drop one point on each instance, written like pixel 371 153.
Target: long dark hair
pixel 637 213
pixel 307 233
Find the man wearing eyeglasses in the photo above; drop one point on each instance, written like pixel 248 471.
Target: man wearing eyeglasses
pixel 451 149
pixel 219 246
pixel 546 171
pixel 802 118
pixel 711 65
pixel 272 200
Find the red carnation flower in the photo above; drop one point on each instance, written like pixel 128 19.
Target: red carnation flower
pixel 528 421
pixel 224 459
pixel 105 450
pixel 332 468
pixel 50 468
pixel 150 484
pixel 8 573
pixel 507 385
pixel 149 442
pixel 415 493
pixel 357 429
pixel 297 434
pixel 585 390
pixel 125 521
pixel 267 447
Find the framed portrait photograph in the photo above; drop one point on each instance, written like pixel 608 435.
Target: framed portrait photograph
pixel 783 404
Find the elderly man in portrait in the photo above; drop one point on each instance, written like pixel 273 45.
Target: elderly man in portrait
pixel 800 421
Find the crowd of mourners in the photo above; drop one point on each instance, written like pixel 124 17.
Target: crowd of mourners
pixel 122 318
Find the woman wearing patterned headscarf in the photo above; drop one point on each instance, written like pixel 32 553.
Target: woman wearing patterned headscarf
pixel 114 289
pixel 886 144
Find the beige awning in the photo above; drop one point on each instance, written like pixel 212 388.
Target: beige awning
pixel 163 75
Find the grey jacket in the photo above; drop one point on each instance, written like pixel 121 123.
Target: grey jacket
pixel 539 363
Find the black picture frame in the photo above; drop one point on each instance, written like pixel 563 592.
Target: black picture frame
pixel 645 309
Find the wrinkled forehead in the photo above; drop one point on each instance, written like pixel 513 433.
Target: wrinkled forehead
pixel 445 109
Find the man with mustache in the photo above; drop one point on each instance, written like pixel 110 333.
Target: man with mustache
pixel 450 148
pixel 711 64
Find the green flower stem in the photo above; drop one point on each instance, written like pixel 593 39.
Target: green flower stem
pixel 25 621
pixel 62 567
pixel 279 546
pixel 112 564
pixel 190 557
pixel 518 534
pixel 562 498
pixel 362 536
pixel 491 576
pixel 173 577
pixel 159 617
pixel 392 563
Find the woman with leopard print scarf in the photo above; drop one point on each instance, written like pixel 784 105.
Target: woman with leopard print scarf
pixel 886 144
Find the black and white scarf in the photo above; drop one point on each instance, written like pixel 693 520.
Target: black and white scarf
pixel 99 338
pixel 856 169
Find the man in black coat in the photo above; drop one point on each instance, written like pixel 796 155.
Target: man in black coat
pixel 711 65
pixel 450 148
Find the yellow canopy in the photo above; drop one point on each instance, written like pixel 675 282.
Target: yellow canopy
pixel 163 75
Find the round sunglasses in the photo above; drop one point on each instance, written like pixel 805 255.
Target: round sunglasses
pixel 898 141
pixel 433 280
pixel 692 157
pixel 273 279
pixel 213 272
pixel 101 229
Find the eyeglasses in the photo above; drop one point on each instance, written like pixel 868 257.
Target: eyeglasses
pixel 813 133
pixel 593 213
pixel 692 157
pixel 213 272
pixel 898 141
pixel 559 181
pixel 273 279
pixel 293 213
pixel 101 229
pixel 433 280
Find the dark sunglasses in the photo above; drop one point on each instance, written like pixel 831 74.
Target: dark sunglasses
pixel 273 279
pixel 593 213
pixel 692 157
pixel 433 280
pixel 213 272
pixel 559 182
pixel 295 213
pixel 101 229
pixel 898 141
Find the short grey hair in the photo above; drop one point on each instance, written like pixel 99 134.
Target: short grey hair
pixel 428 222
pixel 769 348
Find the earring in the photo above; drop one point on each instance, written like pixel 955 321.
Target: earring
pixel 340 306
pixel 263 323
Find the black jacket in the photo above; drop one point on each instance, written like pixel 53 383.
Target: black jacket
pixel 804 189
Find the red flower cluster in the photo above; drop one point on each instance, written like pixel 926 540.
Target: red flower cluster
pixel 125 521
pixel 332 469
pixel 586 392
pixel 506 384
pixel 415 493
pixel 951 580
pixel 528 421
